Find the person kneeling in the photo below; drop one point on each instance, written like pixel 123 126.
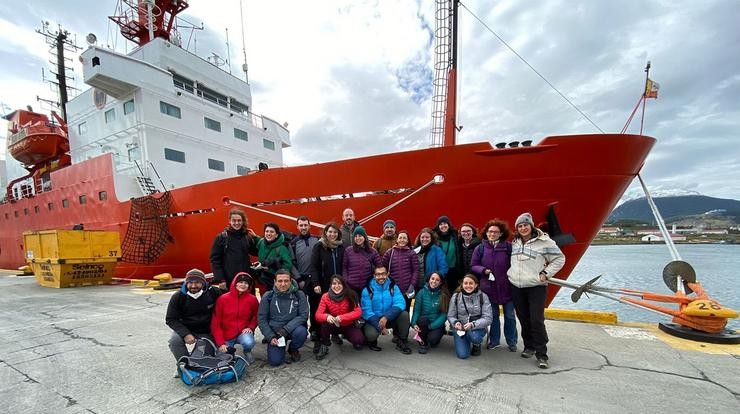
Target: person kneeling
pixel 469 315
pixel 383 308
pixel 282 317
pixel 337 313
pixel 235 317
pixel 430 313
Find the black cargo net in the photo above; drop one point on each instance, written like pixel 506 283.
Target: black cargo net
pixel 147 234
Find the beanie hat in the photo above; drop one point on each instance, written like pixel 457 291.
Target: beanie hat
pixel 524 218
pixel 359 230
pixel 443 219
pixel 244 277
pixel 390 223
pixel 195 274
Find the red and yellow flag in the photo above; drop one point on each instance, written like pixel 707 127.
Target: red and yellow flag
pixel 651 89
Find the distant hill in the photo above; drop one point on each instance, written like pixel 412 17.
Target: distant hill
pixel 676 208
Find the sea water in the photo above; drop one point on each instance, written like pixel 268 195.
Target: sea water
pixel 640 267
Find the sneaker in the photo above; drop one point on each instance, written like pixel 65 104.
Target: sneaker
pixel 287 359
pixel 323 352
pixel 295 355
pixel 542 362
pixel 316 347
pixel 337 340
pixel 528 353
pixel 403 346
pixel 476 350
pixel 249 357
pixel 512 348
pixel 493 346
pixel 373 346
pixel 423 349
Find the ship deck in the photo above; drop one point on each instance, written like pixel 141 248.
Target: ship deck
pixel 104 349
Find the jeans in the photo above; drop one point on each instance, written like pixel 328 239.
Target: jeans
pixel 245 340
pixel 177 344
pixel 494 337
pixel 276 354
pixel 352 333
pixel 463 343
pixel 399 325
pixel 530 308
pixel 431 337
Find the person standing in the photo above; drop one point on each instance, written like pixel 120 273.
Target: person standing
pixel 431 257
pixel 447 238
pixel 235 317
pixel 348 226
pixel 337 313
pixel 273 254
pixel 282 317
pixel 491 261
pixel 302 248
pixel 430 313
pixel 388 240
pixel 469 315
pixel 189 312
pixel 359 261
pixel 535 258
pixel 231 249
pixel 468 242
pixel 403 266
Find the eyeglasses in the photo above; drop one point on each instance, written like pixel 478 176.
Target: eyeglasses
pixel 493 232
pixel 381 274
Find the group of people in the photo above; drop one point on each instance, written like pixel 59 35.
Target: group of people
pixel 339 287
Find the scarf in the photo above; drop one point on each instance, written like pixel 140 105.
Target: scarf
pixel 195 295
pixel 330 244
pixel 336 297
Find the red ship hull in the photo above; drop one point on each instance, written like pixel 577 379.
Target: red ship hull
pixel 583 176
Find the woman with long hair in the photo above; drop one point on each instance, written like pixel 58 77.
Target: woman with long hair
pixel 430 313
pixel 403 266
pixel 337 312
pixel 491 260
pixel 534 258
pixel 326 261
pixel 469 315
pixel 431 257
pixel 447 238
pixel 273 254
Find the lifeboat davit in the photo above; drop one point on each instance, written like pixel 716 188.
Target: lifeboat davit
pixel 34 140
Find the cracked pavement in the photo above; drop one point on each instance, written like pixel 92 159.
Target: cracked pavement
pixel 104 349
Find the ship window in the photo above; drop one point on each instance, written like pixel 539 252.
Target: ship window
pixel 242 170
pixel 212 124
pixel 83 199
pixel 169 109
pixel 110 115
pixel 36 209
pixel 183 83
pixel 50 206
pixel 16 213
pixel 25 211
pixel 65 203
pixel 102 195
pixel 213 96
pixel 242 135
pixel 174 155
pixel 268 144
pixel 128 107
pixel 237 106
pixel 82 128
pixel 216 165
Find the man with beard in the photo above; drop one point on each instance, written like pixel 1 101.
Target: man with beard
pixel 231 250
pixel 388 240
pixel 348 226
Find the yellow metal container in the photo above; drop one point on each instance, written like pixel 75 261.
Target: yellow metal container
pixel 66 258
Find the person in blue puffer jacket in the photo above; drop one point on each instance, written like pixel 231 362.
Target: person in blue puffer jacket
pixel 383 308
pixel 430 255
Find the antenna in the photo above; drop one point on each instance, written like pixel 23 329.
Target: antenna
pixel 228 50
pixel 245 68
pixel 59 43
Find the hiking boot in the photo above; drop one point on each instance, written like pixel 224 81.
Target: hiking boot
pixel 512 348
pixel 476 350
pixel 395 339
pixel 314 337
pixel 249 357
pixel 542 362
pixel 295 355
pixel 528 353
pixel 287 359
pixel 492 346
pixel 423 349
pixel 373 346
pixel 403 346
pixel 316 347
pixel 323 352
pixel 337 340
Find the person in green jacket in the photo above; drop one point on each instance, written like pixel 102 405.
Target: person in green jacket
pixel 430 313
pixel 273 254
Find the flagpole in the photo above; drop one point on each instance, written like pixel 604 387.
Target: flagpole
pixel 644 95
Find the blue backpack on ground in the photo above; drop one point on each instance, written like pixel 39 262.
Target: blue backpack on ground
pixel 205 366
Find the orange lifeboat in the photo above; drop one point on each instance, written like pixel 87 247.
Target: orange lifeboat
pixel 34 140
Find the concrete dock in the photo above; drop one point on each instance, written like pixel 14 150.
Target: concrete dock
pixel 104 349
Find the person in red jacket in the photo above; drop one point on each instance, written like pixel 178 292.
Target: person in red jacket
pixel 235 317
pixel 338 310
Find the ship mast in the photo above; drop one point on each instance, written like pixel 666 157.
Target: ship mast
pixel 143 20
pixel 444 98
pixel 59 42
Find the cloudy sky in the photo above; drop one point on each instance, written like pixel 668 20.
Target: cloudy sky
pixel 354 77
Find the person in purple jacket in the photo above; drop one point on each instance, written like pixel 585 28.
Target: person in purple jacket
pixel 359 261
pixel 403 266
pixel 491 260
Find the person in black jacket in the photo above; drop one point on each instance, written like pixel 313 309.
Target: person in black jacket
pixel 231 250
pixel 189 312
pixel 326 261
pixel 467 243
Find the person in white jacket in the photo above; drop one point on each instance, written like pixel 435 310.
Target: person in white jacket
pixel 534 259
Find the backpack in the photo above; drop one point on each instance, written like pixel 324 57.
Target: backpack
pixel 205 366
